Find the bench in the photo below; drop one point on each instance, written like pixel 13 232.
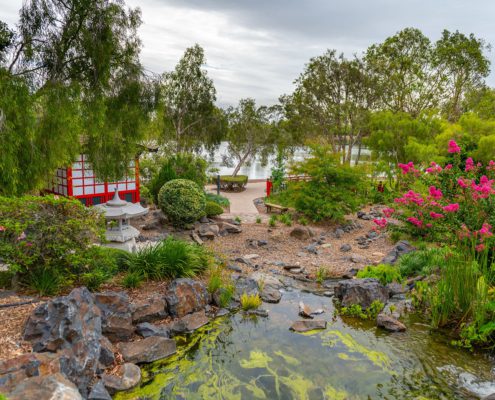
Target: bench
pixel 270 207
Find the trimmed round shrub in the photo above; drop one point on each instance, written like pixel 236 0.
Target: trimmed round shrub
pixel 212 209
pixel 182 201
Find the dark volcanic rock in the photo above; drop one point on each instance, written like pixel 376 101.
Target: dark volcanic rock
pixel 345 247
pixel 308 325
pixel 107 351
pixel 150 310
pixel 389 323
pixel 99 392
pixel 270 294
pixel 401 248
pixel 116 315
pixel 126 377
pixel 185 296
pixel 47 387
pixel 189 323
pixel 145 329
pixel 147 350
pixel 361 291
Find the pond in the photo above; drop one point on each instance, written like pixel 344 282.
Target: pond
pixel 240 357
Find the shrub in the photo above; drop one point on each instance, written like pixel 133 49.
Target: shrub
pixel 216 198
pixel 356 311
pixel 285 219
pixel 179 166
pixel 321 275
pixel 385 273
pixel 303 221
pixel 272 221
pixel 423 261
pixel 132 280
pixel 182 201
pixel 233 183
pixel 170 258
pixel 213 209
pixel 258 220
pixel 226 295
pixel 250 301
pixel 43 237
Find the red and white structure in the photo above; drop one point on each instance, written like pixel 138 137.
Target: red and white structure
pixel 80 182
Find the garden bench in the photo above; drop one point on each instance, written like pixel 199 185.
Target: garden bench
pixel 270 207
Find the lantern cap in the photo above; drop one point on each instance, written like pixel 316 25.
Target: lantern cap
pixel 116 201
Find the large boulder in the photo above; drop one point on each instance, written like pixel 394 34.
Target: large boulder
pixel 125 377
pixel 245 285
pixel 47 387
pixel 389 323
pixel 99 392
pixel 147 350
pixel 116 315
pixel 146 329
pixel 107 356
pixel 73 324
pixel 149 310
pixel 189 323
pixel 302 233
pixel 185 296
pixel 361 291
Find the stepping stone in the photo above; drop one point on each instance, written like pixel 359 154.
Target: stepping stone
pixel 308 325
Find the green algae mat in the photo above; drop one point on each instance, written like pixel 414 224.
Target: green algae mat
pixel 237 357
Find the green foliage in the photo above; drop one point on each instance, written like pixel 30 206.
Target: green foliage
pixel 179 166
pixel 385 273
pixel 250 301
pixel 321 275
pixel 258 220
pixel 44 282
pixel 238 219
pixel 272 221
pixel 216 198
pixel 132 280
pixel 169 259
pixel 49 236
pixel 356 311
pixel 286 219
pixel 423 262
pixel 303 221
pixel 182 201
pixel 212 209
pixel 226 295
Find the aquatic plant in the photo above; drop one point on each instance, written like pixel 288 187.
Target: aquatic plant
pixel 385 273
pixel 356 311
pixel 321 275
pixel 250 301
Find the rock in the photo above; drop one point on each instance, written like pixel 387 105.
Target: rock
pixel 208 230
pixel 301 254
pixel 151 226
pixel 252 243
pixel 231 228
pixel 262 243
pixel 243 260
pixel 358 259
pixel 235 268
pixel 48 387
pixel 304 310
pixel 289 267
pixel 126 377
pixel 398 307
pixel 351 273
pixel 396 288
pixel 361 291
pixel 107 351
pixel 301 233
pixel 116 315
pixel 204 219
pixel 389 323
pixel 71 323
pixel 377 254
pixel 196 238
pixel 99 392
pixel 308 325
pixel 338 233
pixel 147 350
pixel 326 245
pixel 345 248
pixel 245 285
pixel 250 257
pixel 270 294
pixel 258 313
pixel 312 248
pixel 266 280
pixel 401 248
pixel 150 310
pixel 372 235
pixel 185 296
pixel 145 329
pixel 190 322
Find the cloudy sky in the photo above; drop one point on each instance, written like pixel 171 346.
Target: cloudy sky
pixel 256 48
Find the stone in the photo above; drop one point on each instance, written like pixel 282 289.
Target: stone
pixel 308 325
pixel 244 261
pixel 151 226
pixel 47 387
pixel 189 323
pixel 71 323
pixel 351 273
pixel 301 233
pixel 116 315
pixel 270 294
pixel 245 285
pixel 401 248
pixel 345 248
pixel 338 233
pixel 372 235
pixel 146 329
pixel 253 243
pixel 208 230
pixel 396 288
pixel 361 291
pixel 264 279
pixel 358 259
pixel 250 257
pixel 258 313
pixel 125 377
pixel 230 228
pixel 147 350
pixel 262 243
pixel 398 306
pixel 150 310
pixel 326 245
pixel 304 310
pixel 99 392
pixel 389 323
pixel 185 296
pixel 312 248
pixel 196 238
pixel 107 356
pixel 234 268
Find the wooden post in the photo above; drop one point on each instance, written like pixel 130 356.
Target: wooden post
pixel 218 184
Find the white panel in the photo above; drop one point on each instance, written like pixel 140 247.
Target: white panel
pixel 78 191
pixel 64 173
pixel 122 186
pixel 77 182
pixel 131 186
pixel 77 165
pixel 77 174
pixel 84 157
pixel 111 187
pixel 89 190
pixel 89 181
pixel 65 191
pixel 100 188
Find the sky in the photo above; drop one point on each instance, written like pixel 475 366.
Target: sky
pixel 257 48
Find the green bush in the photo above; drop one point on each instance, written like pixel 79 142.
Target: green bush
pixel 182 201
pixel 132 280
pixel 213 209
pixel 385 273
pixel 233 183
pixel 423 261
pixel 179 166
pixel 48 238
pixel 216 198
pixel 170 258
pixel 356 311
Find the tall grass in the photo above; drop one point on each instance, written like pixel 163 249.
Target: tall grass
pixel 171 258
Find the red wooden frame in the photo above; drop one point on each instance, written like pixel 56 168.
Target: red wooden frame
pixel 79 181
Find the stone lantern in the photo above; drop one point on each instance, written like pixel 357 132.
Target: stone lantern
pixel 118 213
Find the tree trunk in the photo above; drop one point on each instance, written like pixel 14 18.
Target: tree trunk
pixel 241 163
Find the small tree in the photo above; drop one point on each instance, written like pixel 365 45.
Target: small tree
pixel 249 134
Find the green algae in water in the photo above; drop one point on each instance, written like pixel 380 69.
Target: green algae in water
pixel 238 358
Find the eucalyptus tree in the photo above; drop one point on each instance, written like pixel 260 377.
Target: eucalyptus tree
pixel 189 95
pixel 71 81
pixel 332 100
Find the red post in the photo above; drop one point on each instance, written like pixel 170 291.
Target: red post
pixel 269 186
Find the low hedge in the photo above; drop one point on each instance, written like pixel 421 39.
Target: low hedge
pixel 213 209
pixel 233 183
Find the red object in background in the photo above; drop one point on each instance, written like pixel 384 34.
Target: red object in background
pixel 269 186
pixel 80 182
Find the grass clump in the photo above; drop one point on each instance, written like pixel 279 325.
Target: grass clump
pixel 321 275
pixel 272 222
pixel 286 219
pixel 423 262
pixel 132 280
pixel 356 311
pixel 303 221
pixel 170 258
pixel 238 219
pixel 258 220
pixel 250 301
pixel 385 273
pixel 216 198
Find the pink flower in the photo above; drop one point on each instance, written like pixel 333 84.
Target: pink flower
pixel 382 223
pixel 429 225
pixel 453 147
pixel 469 165
pixel 485 231
pixel 451 207
pixel 2 228
pixel 56 197
pixel 435 193
pixel 462 183
pixel 479 248
pixel 491 165
pixel 435 215
pixel 22 236
pixel 29 244
pixel 434 168
pixel 410 197
pixel 406 168
pixel 465 233
pixel 388 211
pixel 448 166
pixel 415 221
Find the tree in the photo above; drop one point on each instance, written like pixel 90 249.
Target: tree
pixel 404 68
pixel 465 66
pixel 188 100
pixel 332 100
pixel 481 102
pixel 249 133
pixel 74 67
pixel 6 37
